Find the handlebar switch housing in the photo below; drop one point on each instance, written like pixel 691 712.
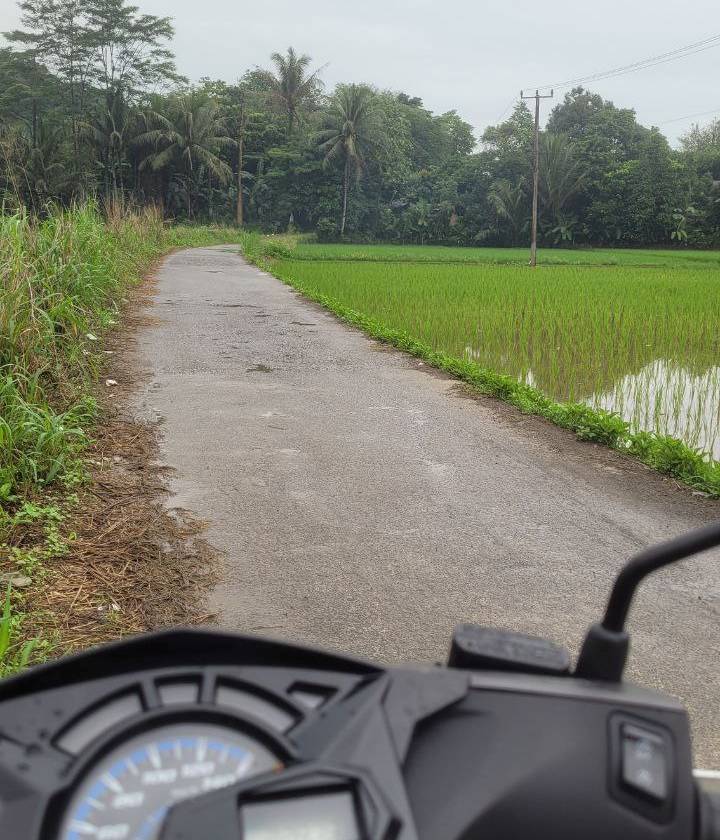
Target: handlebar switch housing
pixel 484 648
pixel 642 767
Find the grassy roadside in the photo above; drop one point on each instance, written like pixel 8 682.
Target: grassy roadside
pixel 665 454
pixel 65 282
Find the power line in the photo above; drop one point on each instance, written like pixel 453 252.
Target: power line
pixel 652 61
pixel 691 116
pixel 663 58
pixel 508 107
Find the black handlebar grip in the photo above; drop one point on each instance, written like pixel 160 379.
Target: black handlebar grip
pixel 709 815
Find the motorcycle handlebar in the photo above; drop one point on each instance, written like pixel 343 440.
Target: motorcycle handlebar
pixel 709 805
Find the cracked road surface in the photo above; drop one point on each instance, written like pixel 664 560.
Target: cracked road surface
pixel 364 502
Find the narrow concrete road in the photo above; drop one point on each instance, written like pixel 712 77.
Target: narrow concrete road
pixel 364 502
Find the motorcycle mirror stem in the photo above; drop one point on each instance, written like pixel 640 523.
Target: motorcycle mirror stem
pixel 605 649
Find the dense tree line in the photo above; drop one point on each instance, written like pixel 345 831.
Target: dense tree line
pixel 91 103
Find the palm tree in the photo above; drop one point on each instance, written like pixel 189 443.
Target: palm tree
pixel 346 137
pixel 510 203
pixel 108 132
pixel 189 141
pixel 561 174
pixel 290 85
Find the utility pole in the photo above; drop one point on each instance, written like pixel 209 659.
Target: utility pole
pixel 239 216
pixel 536 173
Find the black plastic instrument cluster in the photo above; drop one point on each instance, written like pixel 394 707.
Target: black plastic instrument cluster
pixel 211 736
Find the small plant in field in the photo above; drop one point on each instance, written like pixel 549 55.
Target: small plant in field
pixel 47 519
pixel 673 457
pixel 14 654
pixel 280 247
pixel 590 424
pixel 681 218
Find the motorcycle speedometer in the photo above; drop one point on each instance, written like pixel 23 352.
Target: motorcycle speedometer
pixel 127 793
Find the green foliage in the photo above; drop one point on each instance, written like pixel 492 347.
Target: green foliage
pixel 188 143
pixel 63 279
pixel 561 178
pixel 589 423
pixel 346 137
pixel 291 86
pixel 14 655
pixel 46 518
pixel 82 113
pixel 326 230
pixel 673 457
pixel 105 42
pixel 510 202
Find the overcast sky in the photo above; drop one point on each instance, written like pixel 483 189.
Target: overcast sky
pixel 469 55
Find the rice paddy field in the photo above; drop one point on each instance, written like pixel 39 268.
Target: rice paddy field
pixel 504 256
pixel 636 333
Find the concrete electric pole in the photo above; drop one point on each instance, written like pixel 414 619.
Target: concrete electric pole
pixel 536 173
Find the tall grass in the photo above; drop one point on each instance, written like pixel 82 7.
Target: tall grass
pixel 61 282
pixel 62 285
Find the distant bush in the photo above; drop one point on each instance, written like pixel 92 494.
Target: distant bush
pixel 326 230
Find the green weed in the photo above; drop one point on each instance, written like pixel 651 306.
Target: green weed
pixel 63 281
pixel 15 653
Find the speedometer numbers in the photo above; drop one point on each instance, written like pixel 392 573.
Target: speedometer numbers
pixel 127 794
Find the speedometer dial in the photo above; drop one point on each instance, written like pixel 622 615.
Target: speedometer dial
pixel 127 794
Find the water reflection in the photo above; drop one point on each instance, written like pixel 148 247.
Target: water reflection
pixel 662 396
pixel 669 399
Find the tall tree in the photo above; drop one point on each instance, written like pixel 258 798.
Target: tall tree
pixel 702 139
pixel 291 85
pixel 110 130
pixel 561 174
pixel 347 134
pixel 510 202
pixel 240 205
pixel 188 142
pixel 56 36
pixel 27 90
pixel 605 139
pixel 129 49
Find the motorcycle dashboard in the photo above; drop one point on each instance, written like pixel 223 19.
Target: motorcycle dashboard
pixel 210 736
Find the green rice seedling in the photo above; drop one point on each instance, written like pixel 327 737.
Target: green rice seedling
pixel 499 256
